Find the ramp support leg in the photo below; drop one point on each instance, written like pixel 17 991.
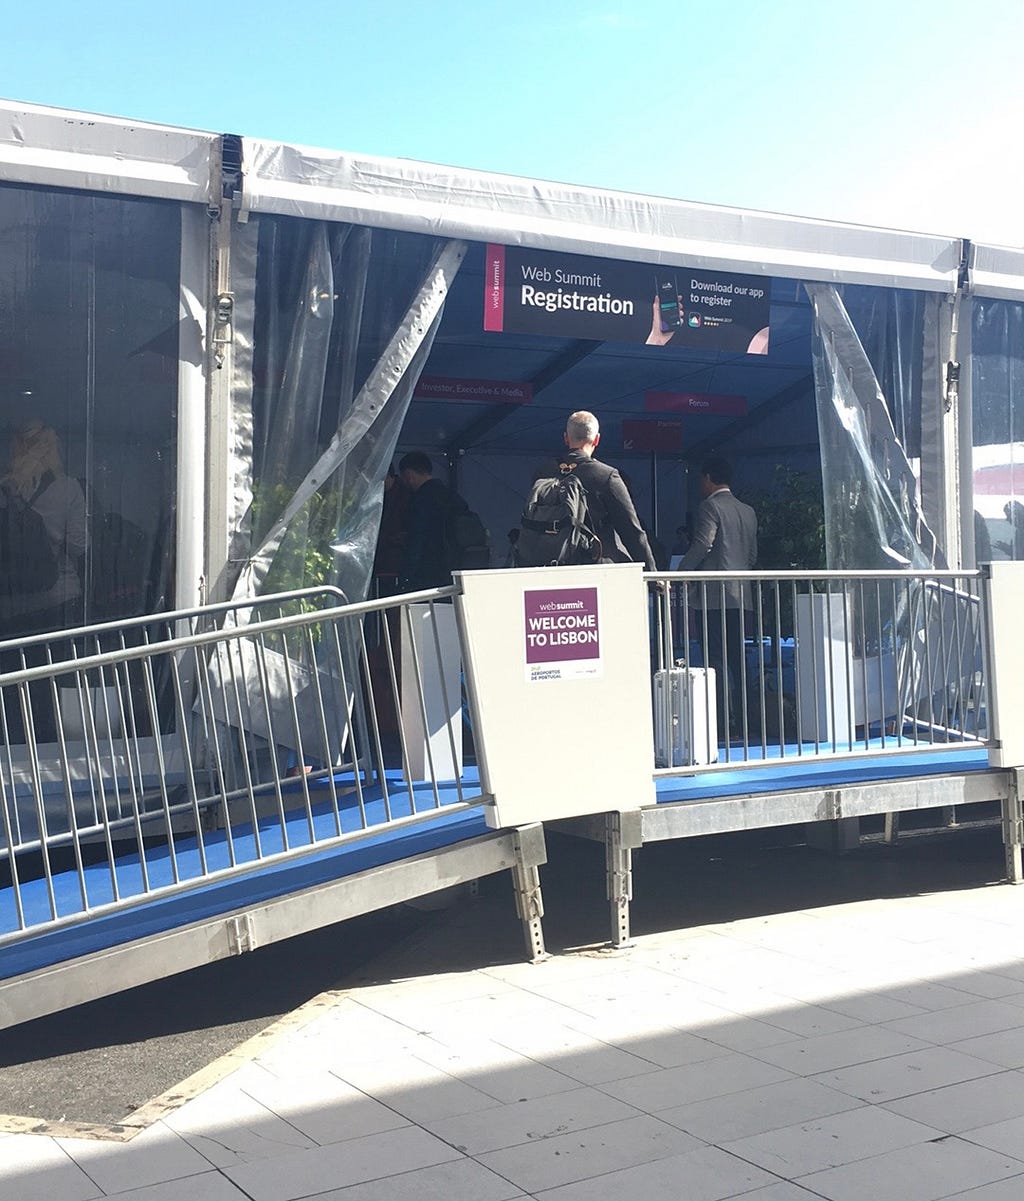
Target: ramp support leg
pixel 530 853
pixel 623 833
pixel 1013 828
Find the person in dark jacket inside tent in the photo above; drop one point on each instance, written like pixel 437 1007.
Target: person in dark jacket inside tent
pixel 426 559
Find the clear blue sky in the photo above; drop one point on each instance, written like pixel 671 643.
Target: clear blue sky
pixel 905 113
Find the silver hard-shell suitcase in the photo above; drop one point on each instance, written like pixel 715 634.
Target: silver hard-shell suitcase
pixel 685 717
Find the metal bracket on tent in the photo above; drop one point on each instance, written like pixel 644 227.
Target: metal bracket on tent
pixel 223 325
pixel 951 391
pixel 952 384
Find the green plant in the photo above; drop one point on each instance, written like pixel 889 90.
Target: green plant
pixel 305 557
pixel 791 522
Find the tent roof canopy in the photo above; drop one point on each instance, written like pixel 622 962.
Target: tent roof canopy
pixel 479 206
pixel 65 148
pixel 57 148
pixel 997 271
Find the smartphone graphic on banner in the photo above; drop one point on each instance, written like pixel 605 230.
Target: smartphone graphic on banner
pixel 668 302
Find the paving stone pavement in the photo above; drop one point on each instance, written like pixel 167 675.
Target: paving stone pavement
pixel 850 1048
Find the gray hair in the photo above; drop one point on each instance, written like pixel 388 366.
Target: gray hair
pixel 581 428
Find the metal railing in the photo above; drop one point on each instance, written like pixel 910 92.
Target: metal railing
pixel 143 758
pixel 753 666
pixel 29 750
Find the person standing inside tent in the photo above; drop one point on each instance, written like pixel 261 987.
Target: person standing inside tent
pixel 442 533
pixel 622 535
pixel 387 558
pixel 42 538
pixel 423 562
pixel 1013 510
pixel 725 539
pixel 40 588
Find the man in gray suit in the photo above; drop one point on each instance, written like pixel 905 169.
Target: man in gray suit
pixel 725 540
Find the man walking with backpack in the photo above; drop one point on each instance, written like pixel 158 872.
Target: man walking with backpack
pixel 600 525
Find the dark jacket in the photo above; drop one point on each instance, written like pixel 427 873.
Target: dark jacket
pixel 622 536
pixel 725 540
pixel 425 559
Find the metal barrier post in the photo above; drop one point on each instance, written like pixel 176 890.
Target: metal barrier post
pixel 623 835
pixel 1004 586
pixel 529 854
pixel 1013 827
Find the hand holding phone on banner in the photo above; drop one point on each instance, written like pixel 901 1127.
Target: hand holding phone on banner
pixel 659 336
pixel 670 303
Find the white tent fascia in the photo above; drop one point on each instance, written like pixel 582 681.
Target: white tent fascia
pixel 59 148
pixel 62 148
pixel 483 207
pixel 997 272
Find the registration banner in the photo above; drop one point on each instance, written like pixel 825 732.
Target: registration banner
pixel 577 296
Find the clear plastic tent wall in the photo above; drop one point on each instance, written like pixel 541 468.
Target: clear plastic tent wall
pixel 869 372
pixel 94 335
pixel 333 332
pixel 997 428
pixel 429 200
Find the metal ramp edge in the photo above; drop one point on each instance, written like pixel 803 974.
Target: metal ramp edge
pixel 690 808
pixel 113 969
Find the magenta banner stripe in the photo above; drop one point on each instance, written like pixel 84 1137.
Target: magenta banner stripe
pixel 494 290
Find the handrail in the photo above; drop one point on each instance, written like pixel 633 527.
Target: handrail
pixel 824 574
pixel 186 641
pixel 795 664
pixel 255 743
pixel 167 617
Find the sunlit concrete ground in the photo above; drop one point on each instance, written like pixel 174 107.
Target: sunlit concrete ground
pixel 857 1051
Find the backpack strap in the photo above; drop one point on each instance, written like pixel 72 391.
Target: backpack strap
pixel 595 502
pixel 545 527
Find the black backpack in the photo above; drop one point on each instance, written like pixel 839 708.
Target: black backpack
pixel 467 545
pixel 28 561
pixel 558 525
